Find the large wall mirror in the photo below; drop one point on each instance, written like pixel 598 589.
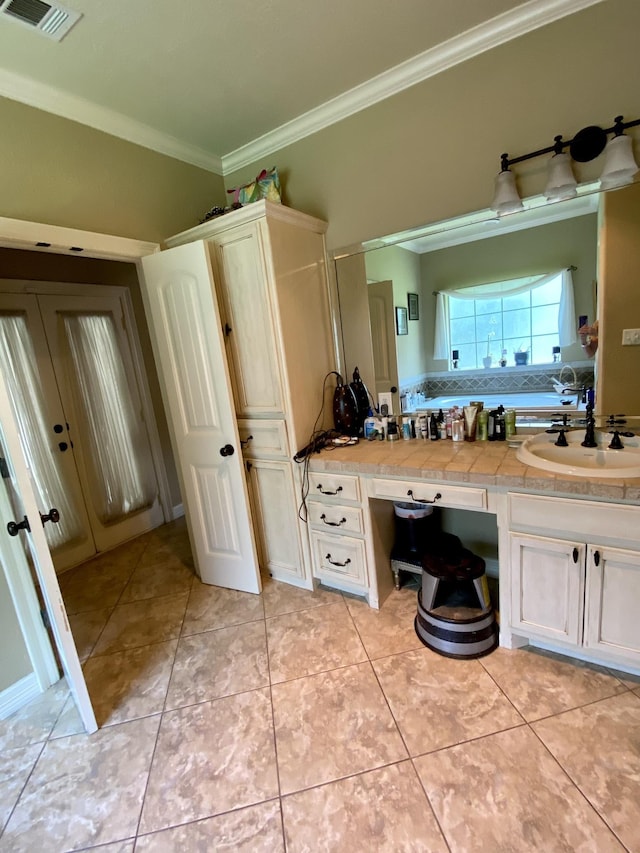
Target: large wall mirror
pixel 594 235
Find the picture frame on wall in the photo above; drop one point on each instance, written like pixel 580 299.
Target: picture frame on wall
pixel 414 311
pixel 401 321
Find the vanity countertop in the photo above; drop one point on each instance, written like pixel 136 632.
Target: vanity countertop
pixel 474 462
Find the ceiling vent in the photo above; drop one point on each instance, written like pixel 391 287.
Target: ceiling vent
pixel 53 21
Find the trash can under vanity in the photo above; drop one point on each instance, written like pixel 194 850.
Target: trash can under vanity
pixel 416 526
pixel 455 616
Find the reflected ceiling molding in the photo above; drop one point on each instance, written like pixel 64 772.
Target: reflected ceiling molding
pixel 485 224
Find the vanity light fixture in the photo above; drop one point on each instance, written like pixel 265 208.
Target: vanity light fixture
pixel 619 168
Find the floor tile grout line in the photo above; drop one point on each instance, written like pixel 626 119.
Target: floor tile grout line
pixel 273 725
pixel 575 784
pixel 433 811
pixel 22 789
pixel 188 822
pixel 146 784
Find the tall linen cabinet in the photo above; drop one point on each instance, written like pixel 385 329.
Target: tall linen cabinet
pixel 240 319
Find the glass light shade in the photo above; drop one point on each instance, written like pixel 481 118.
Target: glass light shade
pixel 506 198
pixel 561 182
pixel 619 165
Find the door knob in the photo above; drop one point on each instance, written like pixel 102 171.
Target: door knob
pixel 53 515
pixel 227 450
pixel 58 428
pixel 63 446
pixel 14 527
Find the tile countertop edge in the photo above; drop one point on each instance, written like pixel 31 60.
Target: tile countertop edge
pixel 455 462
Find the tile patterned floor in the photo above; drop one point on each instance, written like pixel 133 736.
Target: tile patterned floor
pixel 297 721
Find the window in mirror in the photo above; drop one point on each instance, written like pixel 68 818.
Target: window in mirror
pixel 509 322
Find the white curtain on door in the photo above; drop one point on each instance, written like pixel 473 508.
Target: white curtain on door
pixel 20 369
pixel 118 450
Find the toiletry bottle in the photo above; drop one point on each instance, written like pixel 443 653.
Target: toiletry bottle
pixel 499 425
pixel 509 423
pixel 457 429
pixel 424 426
pixel 434 432
pixel 447 423
pixel 482 432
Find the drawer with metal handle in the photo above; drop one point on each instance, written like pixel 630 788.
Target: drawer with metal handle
pixel 424 492
pixel 344 487
pixel 339 558
pixel 335 518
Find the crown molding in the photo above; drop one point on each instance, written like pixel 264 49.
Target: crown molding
pixel 52 100
pixel 517 22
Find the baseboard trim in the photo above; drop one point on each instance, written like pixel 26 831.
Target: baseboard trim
pixel 177 511
pixel 14 697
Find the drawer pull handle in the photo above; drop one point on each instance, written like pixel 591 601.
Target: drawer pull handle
pixel 422 500
pixel 575 555
pixel 596 557
pixel 245 442
pixel 322 492
pixel 323 518
pixel 335 563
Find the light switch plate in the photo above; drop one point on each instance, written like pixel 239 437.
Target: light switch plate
pixel 631 337
pixel 386 397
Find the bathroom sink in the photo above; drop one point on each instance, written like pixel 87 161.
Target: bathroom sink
pixel 540 451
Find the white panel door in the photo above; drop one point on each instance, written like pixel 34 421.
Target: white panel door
pixel 383 336
pixel 547 587
pixel 613 594
pixel 28 526
pixel 188 344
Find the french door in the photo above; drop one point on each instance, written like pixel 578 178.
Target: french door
pixel 69 366
pixel 24 519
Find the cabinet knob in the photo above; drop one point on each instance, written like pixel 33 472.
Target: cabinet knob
pixel 575 555
pixel 227 450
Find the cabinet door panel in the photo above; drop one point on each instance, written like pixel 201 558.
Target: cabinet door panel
pixel 274 506
pixel 613 593
pixel 547 587
pixel 243 285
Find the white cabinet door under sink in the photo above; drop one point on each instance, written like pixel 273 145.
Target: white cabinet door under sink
pixel 547 587
pixel 612 625
pixel 188 344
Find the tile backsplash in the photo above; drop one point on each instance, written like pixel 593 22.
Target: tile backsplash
pixel 502 380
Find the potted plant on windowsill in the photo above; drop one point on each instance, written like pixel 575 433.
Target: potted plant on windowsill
pixel 521 355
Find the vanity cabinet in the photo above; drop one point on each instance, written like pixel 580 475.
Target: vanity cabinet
pixel 573 587
pixel 336 523
pixel 243 339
